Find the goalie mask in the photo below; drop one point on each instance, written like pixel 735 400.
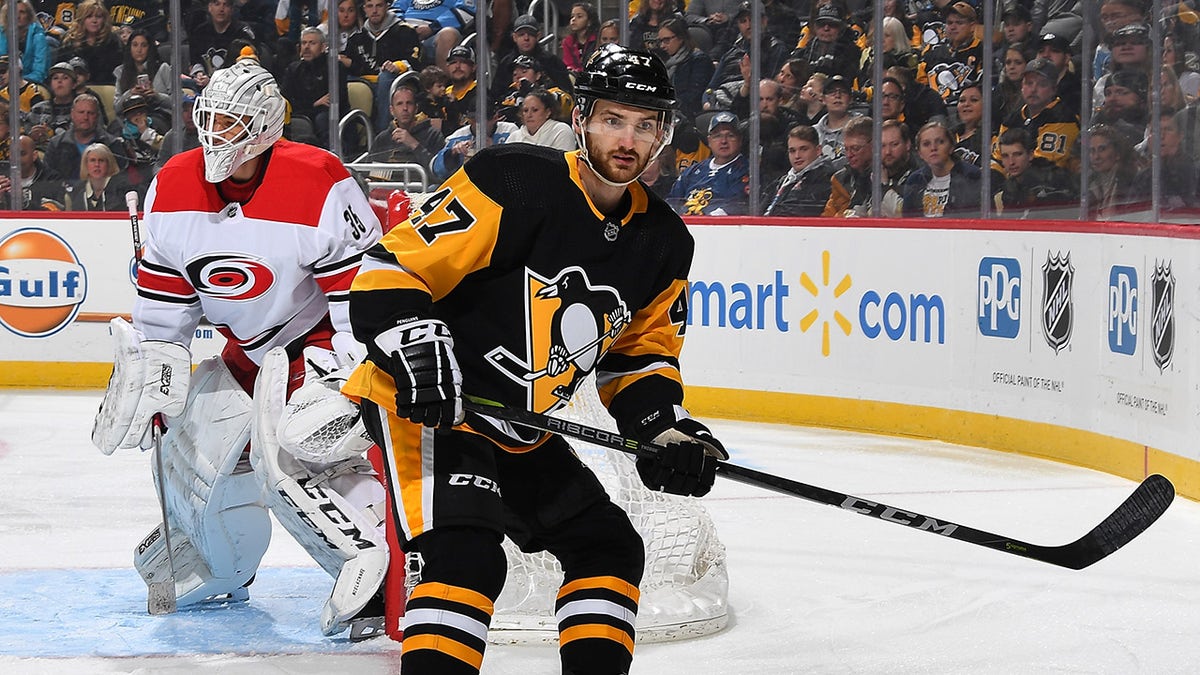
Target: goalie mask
pixel 239 115
pixel 628 77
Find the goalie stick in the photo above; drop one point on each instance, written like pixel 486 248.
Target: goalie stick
pixel 160 594
pixel 1131 518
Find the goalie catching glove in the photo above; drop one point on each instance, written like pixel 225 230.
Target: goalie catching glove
pixel 419 355
pixel 686 464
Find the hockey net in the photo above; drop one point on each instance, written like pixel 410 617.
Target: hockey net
pixel 684 590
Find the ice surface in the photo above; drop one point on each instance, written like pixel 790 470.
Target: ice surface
pixel 812 589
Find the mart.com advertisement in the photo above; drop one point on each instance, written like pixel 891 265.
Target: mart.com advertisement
pixel 1081 330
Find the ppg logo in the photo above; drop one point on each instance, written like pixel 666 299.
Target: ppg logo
pixel 1000 297
pixel 1123 309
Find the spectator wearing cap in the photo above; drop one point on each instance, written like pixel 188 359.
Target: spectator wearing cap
pixel 141 142
pixel 461 94
pixel 526 34
pixel 579 44
pixel 831 49
pixel 380 52
pixel 836 97
pixel 1114 15
pixel 306 85
pixel 805 188
pixel 144 73
pixel 527 76
pixel 946 67
pixel 93 39
pixel 1130 46
pixel 65 150
pixel 1057 49
pixel 409 138
pixel 31 36
pixel 190 137
pixel 211 44
pixel 689 67
pixel 944 186
pixel 1017 28
pixel 438 24
pixel 719 185
pixel 850 186
pixel 538 126
pixel 54 114
pixel 1054 128
pixel 1125 104
pixel 461 144
pixel 644 25
pixel 83 77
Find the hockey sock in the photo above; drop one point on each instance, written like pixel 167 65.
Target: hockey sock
pixel 448 612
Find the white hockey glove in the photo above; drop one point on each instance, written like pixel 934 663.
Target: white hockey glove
pixel 686 464
pixel 419 355
pixel 149 377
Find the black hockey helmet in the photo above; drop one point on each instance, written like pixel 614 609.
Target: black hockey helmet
pixel 627 76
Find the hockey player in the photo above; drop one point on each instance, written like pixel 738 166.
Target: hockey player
pixel 261 237
pixel 531 267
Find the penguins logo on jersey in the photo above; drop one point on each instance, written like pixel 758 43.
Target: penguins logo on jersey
pixel 570 323
pixel 230 276
pixel 950 78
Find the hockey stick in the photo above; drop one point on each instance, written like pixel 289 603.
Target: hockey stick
pixel 160 594
pixel 1131 518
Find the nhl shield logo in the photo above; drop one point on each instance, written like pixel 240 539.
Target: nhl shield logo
pixel 1058 315
pixel 1162 321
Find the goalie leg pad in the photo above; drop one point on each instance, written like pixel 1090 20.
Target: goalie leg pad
pixel 335 511
pixel 149 377
pixel 214 500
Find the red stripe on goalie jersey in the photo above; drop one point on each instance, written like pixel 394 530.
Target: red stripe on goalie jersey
pixel 292 191
pixel 597 608
pixel 447 619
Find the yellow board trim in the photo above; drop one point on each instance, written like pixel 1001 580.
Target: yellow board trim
pixel 1126 459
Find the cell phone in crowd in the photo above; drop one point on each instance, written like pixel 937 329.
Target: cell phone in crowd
pixel 143 80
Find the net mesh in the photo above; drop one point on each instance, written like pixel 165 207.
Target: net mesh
pixel 685 585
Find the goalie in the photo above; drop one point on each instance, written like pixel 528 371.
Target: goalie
pixel 261 237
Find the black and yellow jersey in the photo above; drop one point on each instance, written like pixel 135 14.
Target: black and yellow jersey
pixel 538 287
pixel 946 68
pixel 1055 132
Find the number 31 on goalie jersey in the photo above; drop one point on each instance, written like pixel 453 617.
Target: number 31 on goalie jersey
pixel 441 214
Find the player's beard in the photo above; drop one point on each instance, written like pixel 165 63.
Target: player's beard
pixel 619 171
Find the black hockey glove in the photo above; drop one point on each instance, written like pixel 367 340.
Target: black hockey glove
pixel 419 355
pixel 686 465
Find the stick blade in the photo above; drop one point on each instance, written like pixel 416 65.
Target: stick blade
pixel 1138 512
pixel 160 597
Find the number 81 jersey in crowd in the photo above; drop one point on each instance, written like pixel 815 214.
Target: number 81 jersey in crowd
pixel 538 287
pixel 264 271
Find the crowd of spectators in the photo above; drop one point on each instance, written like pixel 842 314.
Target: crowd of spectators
pixel 816 132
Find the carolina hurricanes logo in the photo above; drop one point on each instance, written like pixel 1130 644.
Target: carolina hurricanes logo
pixel 230 276
pixel 570 324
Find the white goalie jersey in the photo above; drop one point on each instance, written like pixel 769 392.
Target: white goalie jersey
pixel 265 271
